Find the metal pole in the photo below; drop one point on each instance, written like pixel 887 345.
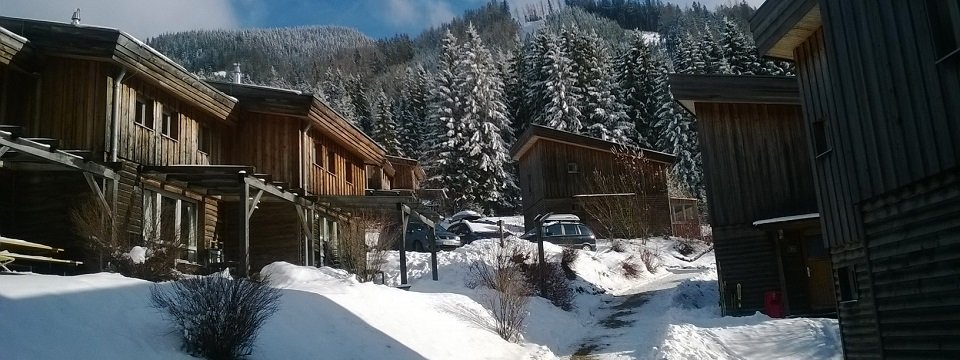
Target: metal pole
pixel 432 238
pixel 403 243
pixel 542 263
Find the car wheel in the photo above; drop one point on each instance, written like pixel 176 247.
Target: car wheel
pixel 418 247
pixel 587 247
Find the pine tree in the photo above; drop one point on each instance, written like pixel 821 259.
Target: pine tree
pixel 384 129
pixel 515 88
pixel 485 120
pixel 712 53
pixel 559 89
pixel 361 106
pixel 739 51
pixel 638 81
pixel 333 91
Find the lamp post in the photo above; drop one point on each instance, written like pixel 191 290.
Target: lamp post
pixel 541 262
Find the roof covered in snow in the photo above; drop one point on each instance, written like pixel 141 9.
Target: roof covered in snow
pixel 112 45
pixel 535 133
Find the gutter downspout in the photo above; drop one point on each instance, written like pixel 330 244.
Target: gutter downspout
pixel 115 117
pixel 304 136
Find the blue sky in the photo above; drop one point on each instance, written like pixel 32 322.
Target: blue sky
pixel 145 18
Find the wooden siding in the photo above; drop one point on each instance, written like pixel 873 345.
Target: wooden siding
pixel 913 237
pixel 755 162
pixel 18 96
pixel 73 105
pixel 275 235
pixel 268 143
pixel 746 256
pixel 858 318
pixel 548 186
pixel 321 180
pixel 148 146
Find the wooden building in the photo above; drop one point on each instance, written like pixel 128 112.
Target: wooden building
pixel 309 149
pixel 880 90
pixel 685 218
pixel 557 167
pixel 760 191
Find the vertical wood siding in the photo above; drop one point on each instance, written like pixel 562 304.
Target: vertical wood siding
pixel 73 104
pixel 323 181
pixel 269 143
pixel 148 146
pixel 745 256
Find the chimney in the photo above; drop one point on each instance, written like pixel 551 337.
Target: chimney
pixel 75 20
pixel 236 73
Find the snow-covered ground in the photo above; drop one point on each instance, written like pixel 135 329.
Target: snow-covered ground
pixel 668 314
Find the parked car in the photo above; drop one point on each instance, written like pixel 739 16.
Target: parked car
pixel 470 231
pixel 565 230
pixel 417 237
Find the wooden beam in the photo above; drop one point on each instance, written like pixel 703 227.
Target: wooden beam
pixel 96 190
pixel 41 151
pixel 252 203
pixel 3 150
pixel 272 190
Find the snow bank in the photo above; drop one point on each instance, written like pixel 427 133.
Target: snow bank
pixel 137 254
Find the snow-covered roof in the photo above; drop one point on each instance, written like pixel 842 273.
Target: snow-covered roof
pixel 784 219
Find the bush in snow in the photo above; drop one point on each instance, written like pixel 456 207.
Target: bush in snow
pixel 508 301
pixel 567 257
pixel 622 206
pixel 618 246
pixel 630 268
pixel 358 255
pixel 218 316
pixel 650 259
pixel 104 236
pixel 556 286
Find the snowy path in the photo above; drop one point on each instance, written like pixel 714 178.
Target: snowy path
pixel 630 329
pixel 676 317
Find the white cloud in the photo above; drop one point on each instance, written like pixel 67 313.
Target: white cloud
pixel 407 13
pixel 141 18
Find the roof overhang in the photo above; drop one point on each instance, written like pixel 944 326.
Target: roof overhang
pixel 736 89
pixel 402 161
pixel 535 133
pixel 780 26
pixel 788 221
pixel 10 45
pixel 285 102
pixel 117 47
pixel 226 181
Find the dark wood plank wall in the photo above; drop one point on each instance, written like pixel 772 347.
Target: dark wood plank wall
pixel 269 143
pixel 18 100
pixel 746 256
pixel 755 162
pixel 858 319
pixel 323 181
pixel 73 104
pixel 275 235
pixel 913 237
pixel 547 185
pixel 405 177
pixel 148 146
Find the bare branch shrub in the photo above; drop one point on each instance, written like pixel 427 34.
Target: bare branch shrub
pixel 567 257
pixel 617 246
pixel 630 268
pixel 650 259
pixel 357 255
pixel 620 199
pixel 105 236
pixel 218 316
pixel 508 302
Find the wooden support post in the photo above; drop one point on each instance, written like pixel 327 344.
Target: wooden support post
pixel 252 205
pixel 432 238
pixel 4 149
pixel 307 237
pixel 243 230
pixel 404 218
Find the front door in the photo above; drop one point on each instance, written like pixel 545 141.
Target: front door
pixel 820 275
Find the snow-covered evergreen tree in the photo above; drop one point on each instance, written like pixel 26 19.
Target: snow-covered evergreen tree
pixel 485 120
pixel 559 90
pixel 384 129
pixel 638 70
pixel 515 88
pixel 739 51
pixel 361 106
pixel 714 61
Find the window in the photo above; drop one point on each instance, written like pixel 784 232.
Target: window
pixel 170 220
pixel 170 124
pixel 348 171
pixel 553 230
pixel 820 137
pixel 572 168
pixel 585 230
pixel 318 154
pixel 945 28
pixel 204 138
pixel 331 161
pixel 144 111
pixel 570 229
pixel 847 279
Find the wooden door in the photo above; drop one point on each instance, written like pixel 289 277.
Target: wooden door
pixel 819 275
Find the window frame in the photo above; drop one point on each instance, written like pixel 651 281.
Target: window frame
pixel 204 139
pixel 319 155
pixel 331 159
pixel 169 123
pixel 143 112
pixel 153 221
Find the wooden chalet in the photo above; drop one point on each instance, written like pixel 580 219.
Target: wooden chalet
pixel 880 92
pixel 556 167
pixel 760 190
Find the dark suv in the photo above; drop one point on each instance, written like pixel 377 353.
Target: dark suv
pixel 566 233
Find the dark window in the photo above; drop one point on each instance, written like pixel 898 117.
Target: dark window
pixel 348 171
pixel 570 229
pixel 945 27
pixel 144 112
pixel 318 154
pixel 820 137
pixel 847 279
pixel 331 161
pixel 170 124
pixel 585 230
pixel 204 138
pixel 572 168
pixel 553 230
